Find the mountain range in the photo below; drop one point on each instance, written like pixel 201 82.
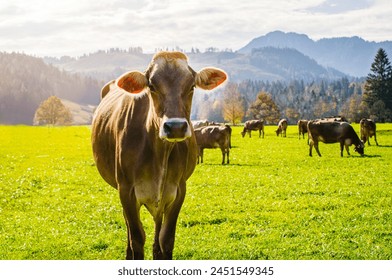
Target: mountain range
pixel 350 55
pixel 25 81
pixel 274 56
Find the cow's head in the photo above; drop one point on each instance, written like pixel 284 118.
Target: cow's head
pixel 360 148
pixel 170 82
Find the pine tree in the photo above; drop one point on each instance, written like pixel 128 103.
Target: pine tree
pixel 378 85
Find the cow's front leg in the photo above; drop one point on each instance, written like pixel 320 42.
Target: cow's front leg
pixel 156 249
pixel 168 230
pixel 135 231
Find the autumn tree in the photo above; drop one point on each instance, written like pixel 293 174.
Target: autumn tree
pixel 53 112
pixel 378 87
pixel 233 104
pixel 265 108
pixel 354 109
pixel 292 115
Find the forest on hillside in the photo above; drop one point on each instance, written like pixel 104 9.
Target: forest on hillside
pixel 295 99
pixel 26 81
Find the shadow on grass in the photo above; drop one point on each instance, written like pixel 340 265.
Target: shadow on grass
pixel 230 164
pixel 384 146
pixel 371 156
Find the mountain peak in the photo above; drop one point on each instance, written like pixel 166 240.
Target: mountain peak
pixel 278 39
pixel 351 55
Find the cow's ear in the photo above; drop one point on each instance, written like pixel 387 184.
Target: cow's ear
pixel 106 88
pixel 133 82
pixel 210 78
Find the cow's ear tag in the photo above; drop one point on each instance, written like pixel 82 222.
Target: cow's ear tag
pixel 133 82
pixel 210 78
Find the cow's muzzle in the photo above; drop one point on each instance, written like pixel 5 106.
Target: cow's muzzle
pixel 175 130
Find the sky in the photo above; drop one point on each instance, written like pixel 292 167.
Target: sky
pixel 77 27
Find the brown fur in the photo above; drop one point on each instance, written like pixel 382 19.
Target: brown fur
pixel 302 128
pixel 333 132
pixel 253 125
pixel 211 137
pixel 368 130
pixel 282 127
pixel 144 147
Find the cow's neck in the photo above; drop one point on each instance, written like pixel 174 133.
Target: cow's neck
pixel 162 151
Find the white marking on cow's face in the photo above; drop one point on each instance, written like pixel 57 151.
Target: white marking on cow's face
pixel 174 129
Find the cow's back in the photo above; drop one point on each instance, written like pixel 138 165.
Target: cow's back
pixel 331 131
pixel 212 136
pixel 254 124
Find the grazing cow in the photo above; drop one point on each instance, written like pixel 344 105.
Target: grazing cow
pixel 333 132
pixel 211 137
pixel 282 127
pixel 367 129
pixel 253 125
pixel 198 124
pixel 302 128
pixel 144 146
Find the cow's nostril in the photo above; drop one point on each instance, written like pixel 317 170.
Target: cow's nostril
pixel 184 127
pixel 167 127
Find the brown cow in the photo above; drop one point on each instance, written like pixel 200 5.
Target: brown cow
pixel 145 147
pixel 282 127
pixel 333 132
pixel 302 128
pixel 253 125
pixel 211 137
pixel 201 123
pixel 367 130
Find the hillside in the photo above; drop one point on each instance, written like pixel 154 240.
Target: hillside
pixel 81 114
pixel 269 64
pixel 26 81
pixel 322 71
pixel 350 55
pixel 281 56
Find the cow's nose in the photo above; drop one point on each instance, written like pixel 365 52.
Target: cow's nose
pixel 175 130
pixel 175 127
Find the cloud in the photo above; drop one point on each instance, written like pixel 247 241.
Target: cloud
pixel 338 7
pixel 74 27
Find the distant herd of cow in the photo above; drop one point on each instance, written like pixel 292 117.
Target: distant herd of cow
pixel 327 130
pixel 145 146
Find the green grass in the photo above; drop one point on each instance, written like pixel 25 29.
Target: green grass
pixel 272 201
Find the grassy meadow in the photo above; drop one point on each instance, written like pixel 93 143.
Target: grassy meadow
pixel 272 201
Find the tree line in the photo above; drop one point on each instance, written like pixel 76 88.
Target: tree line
pixel 26 81
pixel 370 97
